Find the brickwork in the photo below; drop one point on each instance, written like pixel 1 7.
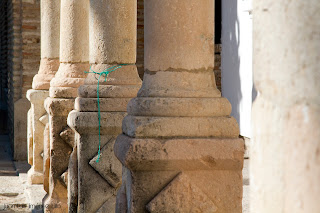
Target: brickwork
pixel 20 56
pixel 30 42
pixel 140 37
pixel 217 65
pixel 14 58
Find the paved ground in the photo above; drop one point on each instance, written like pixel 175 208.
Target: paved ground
pixel 245 200
pixel 16 195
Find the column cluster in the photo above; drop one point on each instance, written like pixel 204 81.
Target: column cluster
pixel 180 149
pixel 168 144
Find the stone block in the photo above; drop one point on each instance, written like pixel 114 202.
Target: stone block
pixel 21 108
pixel 181 175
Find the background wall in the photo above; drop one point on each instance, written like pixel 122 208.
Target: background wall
pixel 20 58
pixel 237 83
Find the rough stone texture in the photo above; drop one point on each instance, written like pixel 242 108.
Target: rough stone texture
pixel 67 80
pixel 30 137
pixel 180 194
pixel 112 42
pixel 60 151
pixel 74 36
pixel 63 89
pixel 285 153
pixel 140 47
pixel 215 168
pixel 160 53
pixel 36 98
pixel 73 181
pixel 179 149
pixel 50 29
pixel 46 156
pixel 50 17
pixel 25 63
pixel 20 128
pixel 48 67
pixel 22 194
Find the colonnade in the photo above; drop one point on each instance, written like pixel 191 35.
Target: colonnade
pixel 167 144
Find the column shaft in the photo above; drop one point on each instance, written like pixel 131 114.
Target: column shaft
pixel 285 153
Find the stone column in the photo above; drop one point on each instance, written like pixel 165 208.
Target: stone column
pixel 112 42
pixel 285 153
pixel 74 39
pixel 50 12
pixel 180 148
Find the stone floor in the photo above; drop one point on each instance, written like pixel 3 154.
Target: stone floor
pixel 16 195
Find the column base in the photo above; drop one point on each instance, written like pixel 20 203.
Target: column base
pixel 98 181
pixel 35 177
pixel 61 143
pixel 51 205
pixel 180 175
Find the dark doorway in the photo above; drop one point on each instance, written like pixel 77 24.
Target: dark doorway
pixel 3 68
pixel 217 25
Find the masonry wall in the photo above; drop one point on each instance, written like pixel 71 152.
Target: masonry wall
pixel 23 56
pixel 14 59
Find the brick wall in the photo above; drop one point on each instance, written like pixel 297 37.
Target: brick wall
pixel 14 58
pixel 30 26
pixel 140 38
pixel 217 65
pixel 22 23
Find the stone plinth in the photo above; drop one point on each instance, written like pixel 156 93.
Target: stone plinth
pixel 180 148
pixel 196 175
pixel 285 153
pixel 112 42
pixel 38 116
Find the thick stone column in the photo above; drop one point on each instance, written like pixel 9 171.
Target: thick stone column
pixel 180 148
pixel 50 16
pixel 74 39
pixel 285 153
pixel 112 42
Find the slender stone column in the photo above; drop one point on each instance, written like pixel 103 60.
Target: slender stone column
pixel 112 42
pixel 74 39
pixel 180 148
pixel 50 13
pixel 285 153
